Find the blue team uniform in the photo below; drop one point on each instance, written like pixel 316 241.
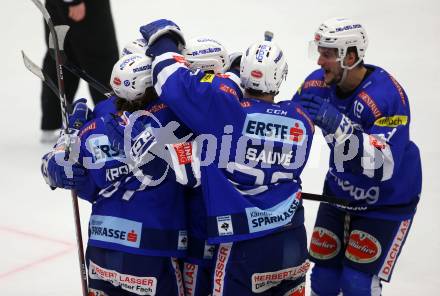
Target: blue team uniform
pixel 136 233
pixel 379 109
pixel 199 263
pixel 252 187
pixel 382 183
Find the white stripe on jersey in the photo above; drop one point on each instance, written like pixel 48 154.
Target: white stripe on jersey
pixel 163 76
pixel 223 253
pixel 368 161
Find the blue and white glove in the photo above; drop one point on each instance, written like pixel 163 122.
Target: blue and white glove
pixel 55 172
pixel 162 36
pixel 116 127
pixel 60 167
pixel 326 116
pixel 80 114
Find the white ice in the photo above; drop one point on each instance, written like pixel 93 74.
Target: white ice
pixel 37 241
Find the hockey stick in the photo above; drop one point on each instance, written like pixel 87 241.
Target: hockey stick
pixel 61 32
pixel 268 36
pixel 63 104
pixel 37 71
pixel 324 198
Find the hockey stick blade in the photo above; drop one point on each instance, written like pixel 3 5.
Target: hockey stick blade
pixel 37 71
pixel 61 32
pixel 268 36
pixel 43 10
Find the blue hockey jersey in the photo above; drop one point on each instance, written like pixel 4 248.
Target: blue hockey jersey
pixel 382 178
pixel 127 213
pixel 252 152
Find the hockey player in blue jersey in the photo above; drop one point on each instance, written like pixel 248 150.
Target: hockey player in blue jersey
pixel 364 114
pixel 253 152
pixel 211 57
pixel 215 62
pixel 136 230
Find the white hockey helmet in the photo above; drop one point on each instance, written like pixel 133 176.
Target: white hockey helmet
pixel 131 76
pixel 341 33
pixel 206 54
pixel 263 67
pixel 135 46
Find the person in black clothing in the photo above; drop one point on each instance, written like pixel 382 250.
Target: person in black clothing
pixel 90 43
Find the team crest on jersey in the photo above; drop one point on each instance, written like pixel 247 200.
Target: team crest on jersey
pixel 274 128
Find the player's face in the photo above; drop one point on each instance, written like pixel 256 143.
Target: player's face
pixel 329 62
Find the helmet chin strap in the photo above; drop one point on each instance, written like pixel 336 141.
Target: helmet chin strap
pixel 346 68
pixel 344 76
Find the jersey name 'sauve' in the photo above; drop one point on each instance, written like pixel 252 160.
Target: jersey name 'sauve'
pixel 274 128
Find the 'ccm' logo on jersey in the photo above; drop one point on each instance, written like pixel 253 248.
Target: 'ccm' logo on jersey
pixel 274 128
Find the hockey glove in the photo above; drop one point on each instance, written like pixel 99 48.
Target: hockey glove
pixel 116 127
pixel 80 114
pixel 55 173
pixel 323 114
pixel 162 36
pixel 60 167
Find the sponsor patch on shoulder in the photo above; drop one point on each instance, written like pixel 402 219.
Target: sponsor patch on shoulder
pixel 207 78
pixel 87 128
pixel 227 89
pixel 392 121
pixel 314 83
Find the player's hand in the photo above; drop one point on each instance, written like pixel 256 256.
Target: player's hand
pixel 77 12
pixel 162 36
pixel 55 171
pixel 80 114
pixel 323 114
pixel 60 167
